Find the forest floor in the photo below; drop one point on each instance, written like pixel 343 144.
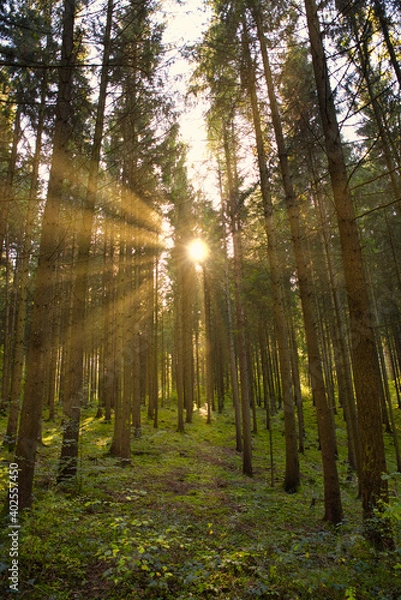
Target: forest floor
pixel 182 522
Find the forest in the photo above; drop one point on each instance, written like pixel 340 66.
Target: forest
pixel 200 366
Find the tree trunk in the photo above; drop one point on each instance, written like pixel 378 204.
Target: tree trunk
pixel 19 352
pixel 367 72
pixel 8 186
pixel 380 10
pixel 74 396
pixel 246 398
pixel 239 312
pixel 344 376
pixel 231 342
pixel 292 475
pixel 4 242
pixel 50 246
pixel 179 352
pixel 332 495
pixel 297 387
pixel 208 344
pixel 364 356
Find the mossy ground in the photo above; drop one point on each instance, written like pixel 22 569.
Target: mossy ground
pixel 182 522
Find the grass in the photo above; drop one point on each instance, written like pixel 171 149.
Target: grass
pixel 182 522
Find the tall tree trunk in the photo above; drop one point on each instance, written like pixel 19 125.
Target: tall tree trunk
pixel 155 351
pixel 184 285
pixel 246 398
pixel 374 488
pixel 208 344
pixel 361 43
pixel 179 350
pixel 8 186
pixel 231 340
pixel 235 225
pixel 188 282
pixel 50 245
pixel 292 474
pixel 8 329
pixel 380 10
pixel 19 352
pixel 136 349
pixel 11 293
pixel 75 377
pixel 106 389
pixel 344 376
pixel 297 386
pixel 120 446
pixel 233 371
pixel 332 495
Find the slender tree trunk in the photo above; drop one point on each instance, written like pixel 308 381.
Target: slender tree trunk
pixel 74 395
pixel 178 352
pixel 19 353
pixel 344 376
pixel 184 283
pixel 154 346
pixel 127 355
pixel 231 343
pixel 188 366
pixel 297 387
pixel 367 72
pixel 107 377
pixel 10 298
pixel 386 392
pixel 364 355
pixel 11 169
pixel 243 358
pixel 120 446
pixel 240 314
pixel 208 344
pixel 380 10
pixel 220 343
pixel 292 475
pixel 7 366
pixel 333 506
pixel 136 349
pixel 40 341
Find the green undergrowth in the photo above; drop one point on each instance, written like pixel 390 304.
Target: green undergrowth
pixel 181 521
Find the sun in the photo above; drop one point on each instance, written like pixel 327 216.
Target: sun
pixel 198 250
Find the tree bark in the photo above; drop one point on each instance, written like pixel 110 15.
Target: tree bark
pixel 75 378
pixel 19 352
pixel 50 247
pixel 332 495
pixel 292 474
pixel 245 389
pixel 363 350
pixel 231 340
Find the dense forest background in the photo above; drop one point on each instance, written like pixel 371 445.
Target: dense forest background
pixel 274 297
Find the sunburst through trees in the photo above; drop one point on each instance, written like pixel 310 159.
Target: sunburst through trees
pixel 269 293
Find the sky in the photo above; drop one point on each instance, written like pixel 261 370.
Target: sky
pixel 186 21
